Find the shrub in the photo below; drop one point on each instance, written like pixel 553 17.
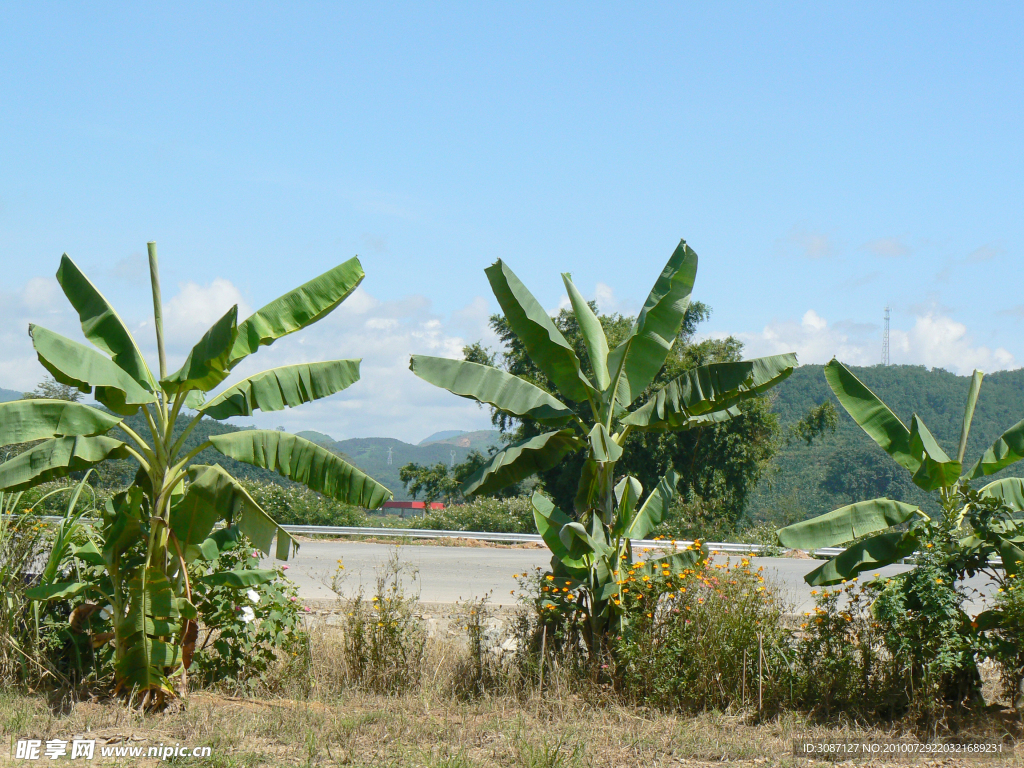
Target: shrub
pixel 298 505
pixel 241 633
pixel 838 669
pixel 383 640
pixel 512 515
pixel 704 638
pixel 1006 643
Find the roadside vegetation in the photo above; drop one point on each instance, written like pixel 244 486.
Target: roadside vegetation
pixel 614 432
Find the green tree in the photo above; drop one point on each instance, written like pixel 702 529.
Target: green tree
pixel 51 389
pixel 164 521
pixel 601 378
pixel 443 482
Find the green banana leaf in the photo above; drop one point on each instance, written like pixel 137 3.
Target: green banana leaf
pixel 846 524
pixel 521 460
pixel 58 457
pixel 102 325
pixel 1010 491
pixel 1008 449
pixel 288 386
pixel 296 310
pixel 62 591
pixel 22 421
pixel 972 402
pixel 251 577
pixel 1012 557
pixel 627 493
pixel 592 332
pixel 492 386
pixel 207 364
pixel 937 470
pixel 79 366
pixel 876 552
pixel 602 448
pixel 653 510
pixel 707 389
pixel 635 362
pixel 550 520
pixel 588 488
pixel 213 494
pixel 304 462
pixel 873 416
pixel 544 343
pixel 581 543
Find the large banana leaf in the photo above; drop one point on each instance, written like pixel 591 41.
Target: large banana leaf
pixel 635 362
pixel 22 421
pixel 1008 449
pixel 873 416
pixel 290 385
pixel 521 460
pixel 846 524
pixel 875 552
pixel 627 494
pixel 1010 491
pixel 653 510
pixel 58 457
pixel 592 332
pixel 212 495
pixel 492 386
pixel 707 389
pixel 207 363
pixel 937 470
pixel 543 341
pixel 550 520
pixel 972 402
pixel 296 309
pixel 602 448
pixel 304 462
pixel 101 323
pixel 79 366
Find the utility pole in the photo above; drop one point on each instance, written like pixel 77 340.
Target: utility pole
pixel 885 339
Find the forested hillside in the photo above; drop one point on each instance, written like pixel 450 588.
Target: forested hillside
pixel 848 466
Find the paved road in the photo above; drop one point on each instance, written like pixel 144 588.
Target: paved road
pixel 450 574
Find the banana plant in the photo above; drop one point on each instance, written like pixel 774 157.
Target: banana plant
pixel 165 520
pixel 591 546
pixel 884 531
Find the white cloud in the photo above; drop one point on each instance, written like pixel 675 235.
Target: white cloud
pixel 888 247
pixel 935 341
pixel 813 245
pixel 190 313
pixel 388 400
pixel 39 301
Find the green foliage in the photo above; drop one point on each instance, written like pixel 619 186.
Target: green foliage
pixel 384 642
pixel 152 532
pixel 708 637
pixel 297 505
pixel 500 515
pixel 242 633
pixel 1005 644
pixel 798 481
pixel 574 397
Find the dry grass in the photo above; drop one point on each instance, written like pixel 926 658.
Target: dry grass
pixel 311 715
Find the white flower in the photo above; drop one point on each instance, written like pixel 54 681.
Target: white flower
pixel 106 612
pixel 253 595
pixel 248 614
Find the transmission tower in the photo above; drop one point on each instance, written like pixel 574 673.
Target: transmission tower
pixel 885 339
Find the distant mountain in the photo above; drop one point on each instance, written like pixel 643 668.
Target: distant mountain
pixel 6 395
pixel 443 435
pixel 479 441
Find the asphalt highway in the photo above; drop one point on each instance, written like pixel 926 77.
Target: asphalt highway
pixel 447 574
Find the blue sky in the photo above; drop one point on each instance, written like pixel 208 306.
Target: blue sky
pixel 823 160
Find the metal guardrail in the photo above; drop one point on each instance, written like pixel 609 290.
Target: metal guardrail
pixel 522 538
pixel 503 538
